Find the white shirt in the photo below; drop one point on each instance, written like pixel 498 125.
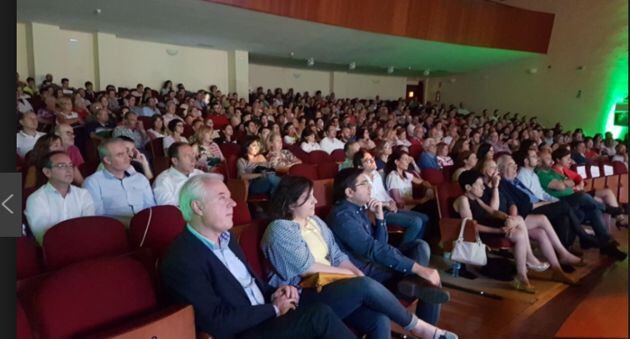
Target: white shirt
pixel 46 207
pixel 329 145
pixel 167 185
pixel 24 106
pixel 404 186
pixel 169 140
pixel 25 142
pixel 378 188
pixel 309 147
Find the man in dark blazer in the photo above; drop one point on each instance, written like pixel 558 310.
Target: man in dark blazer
pixel 206 267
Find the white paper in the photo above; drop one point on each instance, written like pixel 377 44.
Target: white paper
pixel 608 170
pixel 582 171
pixel 595 172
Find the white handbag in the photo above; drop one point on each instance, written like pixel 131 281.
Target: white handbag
pixel 473 253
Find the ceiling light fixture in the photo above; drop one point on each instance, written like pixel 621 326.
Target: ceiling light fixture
pixel 352 65
pixel 426 72
pixel 97 11
pixel 390 69
pixel 292 54
pixel 310 62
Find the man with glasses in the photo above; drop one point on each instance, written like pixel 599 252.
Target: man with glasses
pixel 413 222
pixel 58 199
pixel 367 245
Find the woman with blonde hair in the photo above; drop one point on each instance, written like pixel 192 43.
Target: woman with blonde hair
pixel 208 152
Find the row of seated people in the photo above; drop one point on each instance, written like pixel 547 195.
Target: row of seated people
pixel 276 242
pixel 205 246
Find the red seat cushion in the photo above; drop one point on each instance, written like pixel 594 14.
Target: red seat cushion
pixel 83 238
pixel 338 155
pixel 166 224
pixel 92 294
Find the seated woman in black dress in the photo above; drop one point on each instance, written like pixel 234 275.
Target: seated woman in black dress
pixel 491 221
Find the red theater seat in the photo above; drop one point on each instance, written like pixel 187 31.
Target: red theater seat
pixel 304 170
pixel 434 176
pixel 156 146
pixel 319 157
pixel 28 258
pixel 327 170
pixel 338 155
pixel 249 236
pixel 92 295
pixel 156 228
pixel 83 238
pixel 323 193
pixel 23 329
pixel 241 215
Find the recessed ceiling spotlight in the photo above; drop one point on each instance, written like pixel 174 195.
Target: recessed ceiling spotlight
pixel 352 65
pixel 73 40
pixel 97 11
pixel 426 72
pixel 390 69
pixel 310 61
pixel 409 68
pixel 292 54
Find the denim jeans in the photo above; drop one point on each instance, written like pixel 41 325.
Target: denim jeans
pixel 591 210
pixel 364 303
pixel 419 252
pixel 413 222
pixel 264 185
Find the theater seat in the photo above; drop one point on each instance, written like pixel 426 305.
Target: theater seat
pixel 327 170
pixel 156 228
pixel 92 295
pixel 323 193
pixel 83 238
pixel 319 157
pixel 23 328
pixel 434 176
pixel 249 236
pixel 173 322
pixel 338 155
pixel 28 258
pixel 308 171
pixel 241 215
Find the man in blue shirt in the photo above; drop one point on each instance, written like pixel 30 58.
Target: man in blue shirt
pixel 206 267
pixel 366 245
pixel 428 157
pixel 118 190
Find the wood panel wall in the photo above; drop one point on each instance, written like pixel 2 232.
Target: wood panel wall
pixel 469 22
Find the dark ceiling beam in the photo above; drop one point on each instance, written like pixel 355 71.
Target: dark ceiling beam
pixel 467 22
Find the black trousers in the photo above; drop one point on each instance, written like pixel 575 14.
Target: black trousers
pixel 564 221
pixel 314 321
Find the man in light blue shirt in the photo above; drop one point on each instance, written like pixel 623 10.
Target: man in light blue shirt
pixel 118 191
pixel 528 177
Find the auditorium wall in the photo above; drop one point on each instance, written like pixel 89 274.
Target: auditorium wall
pixel 343 84
pixel 552 86
pixel 107 59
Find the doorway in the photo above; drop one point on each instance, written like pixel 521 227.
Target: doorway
pixel 415 92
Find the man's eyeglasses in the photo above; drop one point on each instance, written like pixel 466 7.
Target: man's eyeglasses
pixel 362 183
pixel 62 165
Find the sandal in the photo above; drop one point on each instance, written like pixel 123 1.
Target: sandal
pixel 520 286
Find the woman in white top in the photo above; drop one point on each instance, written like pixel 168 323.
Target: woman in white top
pixel 65 115
pixel 176 128
pixel 157 130
pixel 399 181
pixel 309 143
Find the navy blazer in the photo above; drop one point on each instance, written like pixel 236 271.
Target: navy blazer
pixel 192 274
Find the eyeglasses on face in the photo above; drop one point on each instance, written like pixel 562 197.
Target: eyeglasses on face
pixel 62 165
